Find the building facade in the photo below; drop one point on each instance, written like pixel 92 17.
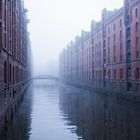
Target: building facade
pixel 14 42
pixel 108 57
pixel 15 53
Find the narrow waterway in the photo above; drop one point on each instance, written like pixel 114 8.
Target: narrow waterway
pixel 53 111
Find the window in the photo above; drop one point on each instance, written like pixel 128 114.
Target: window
pixel 136 45
pixel 114 48
pixel 136 13
pixel 114 74
pixel 5 72
pixel 13 75
pixel 128 20
pixel 114 37
pixel 108 74
pixel 137 54
pixel 136 28
pixel 104 60
pixel 10 73
pixel 121 37
pixel 0 4
pixel 121 58
pixel 108 49
pixel 114 59
pixel 137 73
pixel 104 73
pixel 114 26
pixel 121 46
pixel 114 43
pixel 5 15
pixel 137 42
pixel 104 43
pixel 120 22
pixel 121 74
pixel 104 52
pixel 5 40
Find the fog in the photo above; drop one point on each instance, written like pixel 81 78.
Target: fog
pixel 54 23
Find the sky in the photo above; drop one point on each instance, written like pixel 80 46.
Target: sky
pixel 54 23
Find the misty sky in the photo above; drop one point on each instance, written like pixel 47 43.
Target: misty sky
pixel 54 23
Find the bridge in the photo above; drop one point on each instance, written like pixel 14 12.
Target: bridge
pixel 46 77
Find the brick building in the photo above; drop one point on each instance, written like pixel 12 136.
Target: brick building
pixel 108 57
pixel 14 42
pixel 14 57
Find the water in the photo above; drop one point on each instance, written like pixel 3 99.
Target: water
pixel 52 111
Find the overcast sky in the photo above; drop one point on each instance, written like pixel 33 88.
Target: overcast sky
pixel 54 23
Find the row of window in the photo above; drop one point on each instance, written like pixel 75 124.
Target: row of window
pixel 13 74
pixel 120 22
pixel 107 74
pixel 114 26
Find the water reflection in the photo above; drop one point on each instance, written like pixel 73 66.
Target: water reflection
pixel 19 126
pixel 47 122
pixel 51 111
pixel 98 117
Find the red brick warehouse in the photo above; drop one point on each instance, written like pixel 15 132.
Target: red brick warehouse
pixel 13 42
pixel 14 56
pixel 108 57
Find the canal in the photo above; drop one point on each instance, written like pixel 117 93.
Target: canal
pixel 54 111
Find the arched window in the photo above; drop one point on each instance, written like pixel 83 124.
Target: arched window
pixel 5 72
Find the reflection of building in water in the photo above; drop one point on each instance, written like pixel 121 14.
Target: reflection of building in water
pixel 98 117
pixel 19 127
